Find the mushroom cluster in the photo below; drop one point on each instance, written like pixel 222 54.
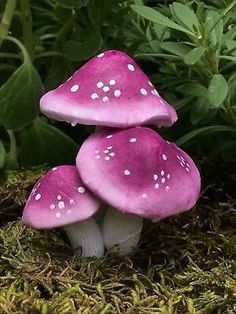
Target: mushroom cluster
pixel 125 165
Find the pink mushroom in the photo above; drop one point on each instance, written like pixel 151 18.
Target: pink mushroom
pixel 60 199
pixel 139 174
pixel 109 90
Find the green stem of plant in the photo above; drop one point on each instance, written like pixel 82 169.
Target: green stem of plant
pixel 6 19
pixel 27 26
pixel 11 162
pixel 22 48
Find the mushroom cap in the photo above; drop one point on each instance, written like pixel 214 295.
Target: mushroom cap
pixel 59 198
pixel 109 90
pixel 136 171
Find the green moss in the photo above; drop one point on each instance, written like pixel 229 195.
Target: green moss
pixel 184 264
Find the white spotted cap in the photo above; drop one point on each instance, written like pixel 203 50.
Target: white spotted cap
pixel 109 90
pixel 147 176
pixel 59 198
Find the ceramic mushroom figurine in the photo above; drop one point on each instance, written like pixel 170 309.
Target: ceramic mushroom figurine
pixel 109 90
pixel 59 199
pixel 139 175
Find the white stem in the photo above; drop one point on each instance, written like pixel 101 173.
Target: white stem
pixel 86 238
pixel 121 229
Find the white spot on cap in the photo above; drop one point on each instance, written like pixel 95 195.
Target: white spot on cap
pixel 112 82
pixel 167 188
pixel 59 197
pixel 162 173
pixel 163 180
pixel 100 84
pixel 187 169
pixel 157 186
pixel 155 177
pixel 105 99
pixel 94 96
pixel 150 83
pixel 133 140
pixel 164 157
pixel 72 201
pixel 100 55
pixel 117 93
pixel 144 195
pixel 58 214
pixel 107 158
pixel 106 151
pixel 106 89
pixel 143 91
pixel 55 168
pixel 97 157
pixel 61 205
pixel 52 206
pixel 131 67
pixel 81 189
pixel 96 151
pixel 109 136
pixel 109 147
pixel 74 88
pixel 126 172
pixel 156 93
pixel 37 197
pixel 112 154
pixel 73 124
pixel 168 176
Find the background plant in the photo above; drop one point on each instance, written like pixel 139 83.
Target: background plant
pixel 188 48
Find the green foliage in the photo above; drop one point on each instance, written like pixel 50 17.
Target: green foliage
pixel 197 64
pixel 187 47
pixel 36 150
pixel 19 97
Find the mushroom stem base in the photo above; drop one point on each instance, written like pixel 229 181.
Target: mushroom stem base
pixel 86 238
pixel 121 229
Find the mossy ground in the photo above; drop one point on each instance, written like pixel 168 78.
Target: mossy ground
pixel 184 264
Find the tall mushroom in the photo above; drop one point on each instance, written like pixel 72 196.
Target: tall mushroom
pixel 59 199
pixel 109 90
pixel 139 175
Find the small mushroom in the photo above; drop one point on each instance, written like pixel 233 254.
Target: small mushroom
pixel 59 199
pixel 139 175
pixel 109 90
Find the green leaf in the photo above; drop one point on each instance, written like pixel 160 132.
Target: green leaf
pixel 77 4
pixel 185 16
pixel 97 11
pixel 158 18
pixel 194 55
pixel 204 130
pixel 19 97
pixel 45 144
pixel 199 110
pixel 79 51
pixel 214 25
pixel 2 154
pixel 178 49
pixel 193 89
pixel 217 90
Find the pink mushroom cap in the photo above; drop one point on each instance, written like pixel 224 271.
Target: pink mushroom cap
pixel 109 90
pixel 136 171
pixel 58 199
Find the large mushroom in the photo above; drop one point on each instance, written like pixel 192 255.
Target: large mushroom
pixel 140 175
pixel 109 90
pixel 59 199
